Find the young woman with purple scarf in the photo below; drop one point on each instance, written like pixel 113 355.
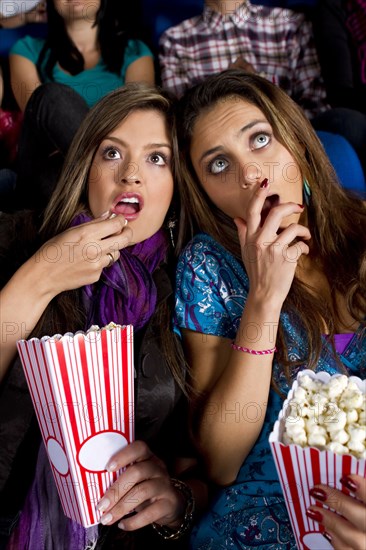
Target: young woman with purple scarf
pixel 115 193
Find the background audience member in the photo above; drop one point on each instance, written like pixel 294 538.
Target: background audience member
pixel 272 282
pixel 274 42
pixel 87 48
pixel 340 33
pixel 88 52
pixel 17 18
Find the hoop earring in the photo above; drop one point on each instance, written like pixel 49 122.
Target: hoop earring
pixel 306 192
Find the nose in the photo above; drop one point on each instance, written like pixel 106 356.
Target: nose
pixel 130 173
pixel 250 174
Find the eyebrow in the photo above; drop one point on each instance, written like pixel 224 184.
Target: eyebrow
pixel 147 146
pixel 241 131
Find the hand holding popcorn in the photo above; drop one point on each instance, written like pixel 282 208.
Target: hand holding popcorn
pixel 344 517
pixel 319 448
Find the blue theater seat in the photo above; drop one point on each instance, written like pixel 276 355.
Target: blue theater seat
pixel 345 161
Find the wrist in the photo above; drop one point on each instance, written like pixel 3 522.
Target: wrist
pixel 38 275
pixel 177 529
pixel 265 307
pixel 259 325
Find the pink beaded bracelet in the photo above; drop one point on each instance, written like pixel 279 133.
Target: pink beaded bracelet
pixel 253 351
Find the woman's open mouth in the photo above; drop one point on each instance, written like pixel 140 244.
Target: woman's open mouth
pixel 129 205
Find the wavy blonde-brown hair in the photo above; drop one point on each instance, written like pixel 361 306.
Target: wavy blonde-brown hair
pixel 71 197
pixel 336 219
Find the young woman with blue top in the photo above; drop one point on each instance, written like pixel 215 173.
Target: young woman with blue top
pixel 272 281
pixel 87 54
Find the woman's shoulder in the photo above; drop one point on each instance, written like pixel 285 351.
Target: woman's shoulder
pixel 28 46
pixel 203 241
pixel 211 288
pixel 203 248
pixel 204 261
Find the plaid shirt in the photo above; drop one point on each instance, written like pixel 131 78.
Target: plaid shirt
pixel 278 43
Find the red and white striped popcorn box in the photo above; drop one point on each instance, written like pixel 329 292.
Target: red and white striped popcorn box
pixel 82 390
pixel 300 468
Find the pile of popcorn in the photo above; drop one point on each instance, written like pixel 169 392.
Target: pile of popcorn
pixel 327 415
pixel 96 328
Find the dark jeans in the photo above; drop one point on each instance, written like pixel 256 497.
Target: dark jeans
pixel 53 114
pixel 348 123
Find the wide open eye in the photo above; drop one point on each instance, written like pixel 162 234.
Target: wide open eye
pixel 111 153
pixel 217 165
pixel 260 140
pixel 158 158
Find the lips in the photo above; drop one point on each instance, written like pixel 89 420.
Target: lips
pixel 129 205
pixel 269 203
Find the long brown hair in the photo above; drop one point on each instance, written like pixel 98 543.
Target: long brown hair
pixel 65 312
pixel 336 219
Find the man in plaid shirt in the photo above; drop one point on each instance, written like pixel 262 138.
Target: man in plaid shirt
pixel 276 43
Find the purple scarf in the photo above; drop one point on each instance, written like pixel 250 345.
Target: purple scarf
pixel 126 294
pixel 43 524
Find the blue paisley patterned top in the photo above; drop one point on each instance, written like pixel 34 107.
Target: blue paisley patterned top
pixel 212 288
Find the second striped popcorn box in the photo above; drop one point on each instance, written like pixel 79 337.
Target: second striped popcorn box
pixel 82 390
pixel 319 438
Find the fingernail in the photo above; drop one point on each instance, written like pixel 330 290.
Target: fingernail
pixel 314 515
pixel 104 215
pixel 264 184
pixel 106 519
pixel 349 483
pixel 318 494
pixel 121 525
pixel 301 205
pixel 126 222
pixel 111 467
pixel 103 504
pixel 327 536
pixel 113 215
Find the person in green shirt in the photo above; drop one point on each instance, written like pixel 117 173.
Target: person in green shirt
pixel 86 54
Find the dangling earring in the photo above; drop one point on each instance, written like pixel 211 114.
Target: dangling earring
pixel 172 222
pixel 306 192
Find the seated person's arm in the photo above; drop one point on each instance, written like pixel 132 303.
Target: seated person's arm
pixel 308 87
pixel 23 301
pixel 36 15
pixel 12 22
pixel 172 66
pixel 223 383
pixel 24 79
pixel 141 70
pixel 27 294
